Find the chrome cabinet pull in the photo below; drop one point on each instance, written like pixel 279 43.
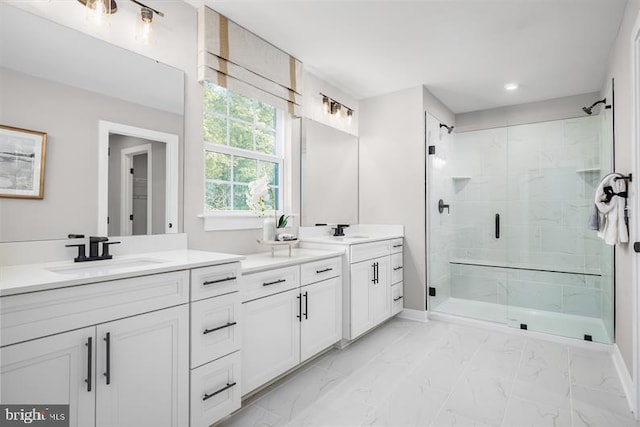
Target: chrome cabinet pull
pixel 209 396
pixel 274 282
pixel 213 282
pixel 208 331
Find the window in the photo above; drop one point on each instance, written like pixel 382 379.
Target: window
pixel 243 141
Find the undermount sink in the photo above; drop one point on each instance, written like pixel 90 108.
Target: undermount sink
pixel 99 268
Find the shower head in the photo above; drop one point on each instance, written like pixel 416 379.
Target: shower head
pixel 448 128
pixel 589 110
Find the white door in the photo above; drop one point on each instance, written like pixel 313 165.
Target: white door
pixel 381 290
pixel 55 370
pixel 321 316
pixel 143 370
pixel 360 307
pixel 271 338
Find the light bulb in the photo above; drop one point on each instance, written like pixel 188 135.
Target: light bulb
pixel 144 32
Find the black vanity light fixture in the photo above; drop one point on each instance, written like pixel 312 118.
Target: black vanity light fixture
pixel 333 107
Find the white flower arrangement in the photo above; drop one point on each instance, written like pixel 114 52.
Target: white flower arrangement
pixel 259 193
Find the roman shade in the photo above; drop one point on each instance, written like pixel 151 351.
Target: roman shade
pixel 235 58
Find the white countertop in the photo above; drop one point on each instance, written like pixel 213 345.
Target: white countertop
pixel 350 240
pixel 264 261
pixel 19 279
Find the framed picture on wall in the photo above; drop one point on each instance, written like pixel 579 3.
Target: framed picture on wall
pixel 22 155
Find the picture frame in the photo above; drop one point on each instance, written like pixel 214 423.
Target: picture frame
pixel 22 161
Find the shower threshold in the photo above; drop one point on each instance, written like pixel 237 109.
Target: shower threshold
pixel 567 325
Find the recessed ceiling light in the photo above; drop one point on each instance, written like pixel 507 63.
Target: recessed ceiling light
pixel 511 86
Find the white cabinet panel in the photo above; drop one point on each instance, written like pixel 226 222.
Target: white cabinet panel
pixel 361 279
pixel 258 285
pixel 322 315
pixel 215 390
pixel 365 251
pixel 143 370
pixel 320 270
pixel 215 280
pixel 271 338
pixel 52 370
pixel 397 295
pixel 396 268
pixel 397 245
pixel 215 328
pixel 381 291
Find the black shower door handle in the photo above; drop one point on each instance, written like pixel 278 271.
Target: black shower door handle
pixel 497 226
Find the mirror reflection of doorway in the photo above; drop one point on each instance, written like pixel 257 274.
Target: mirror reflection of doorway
pixel 137 182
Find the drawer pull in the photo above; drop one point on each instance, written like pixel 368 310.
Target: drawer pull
pixel 397 299
pixel 107 373
pixel 397 246
pixel 209 396
pixel 397 268
pixel 208 331
pixel 212 282
pixel 324 271
pixel 275 282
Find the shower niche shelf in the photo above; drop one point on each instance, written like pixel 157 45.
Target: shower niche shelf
pixel 460 177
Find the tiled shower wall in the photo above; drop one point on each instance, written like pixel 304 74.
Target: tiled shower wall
pixel 540 178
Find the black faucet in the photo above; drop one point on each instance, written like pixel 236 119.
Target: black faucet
pixel 94 244
pixel 339 230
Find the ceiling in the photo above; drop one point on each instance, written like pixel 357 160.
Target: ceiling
pixel 463 51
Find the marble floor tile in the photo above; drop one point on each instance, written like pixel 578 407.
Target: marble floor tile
pixel 299 393
pixel 527 413
pixel 451 419
pixel 252 416
pixel 440 374
pixel 594 369
pixel 480 397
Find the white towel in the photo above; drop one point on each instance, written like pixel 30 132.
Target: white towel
pixel 613 228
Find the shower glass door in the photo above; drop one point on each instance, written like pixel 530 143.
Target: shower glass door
pixel 466 213
pixel 559 277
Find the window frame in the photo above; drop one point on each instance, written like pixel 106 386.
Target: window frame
pixel 240 218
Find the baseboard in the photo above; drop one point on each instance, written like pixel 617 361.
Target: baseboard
pixel 625 378
pixel 418 315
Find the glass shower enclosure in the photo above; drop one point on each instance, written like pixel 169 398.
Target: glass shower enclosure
pixel 508 239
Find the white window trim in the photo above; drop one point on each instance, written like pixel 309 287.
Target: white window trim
pixel 247 220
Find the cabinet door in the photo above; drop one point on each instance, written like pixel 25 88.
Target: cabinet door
pixel 271 338
pixel 360 284
pixel 381 291
pixel 143 370
pixel 321 316
pixel 54 370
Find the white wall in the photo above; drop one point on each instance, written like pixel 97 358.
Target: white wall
pixel 392 177
pixel 543 111
pixel 620 70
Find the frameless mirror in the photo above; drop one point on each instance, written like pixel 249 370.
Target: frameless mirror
pixel 62 82
pixel 329 175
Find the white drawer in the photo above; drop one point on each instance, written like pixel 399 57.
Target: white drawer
pixel 215 328
pixel 396 268
pixel 365 251
pixel 216 280
pixel 258 285
pixel 397 245
pixel 320 270
pixel 397 297
pixel 36 314
pixel 215 390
